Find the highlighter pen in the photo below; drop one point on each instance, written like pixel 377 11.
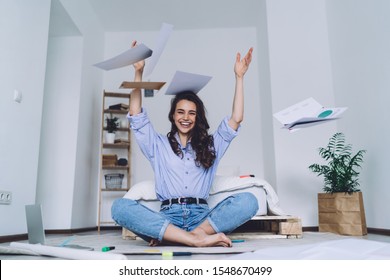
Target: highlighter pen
pixel 109 248
pixel 66 241
pixel 238 240
pixel 170 254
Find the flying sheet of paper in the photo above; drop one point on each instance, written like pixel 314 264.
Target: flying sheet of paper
pixel 162 39
pixel 128 57
pixel 184 81
pixel 307 113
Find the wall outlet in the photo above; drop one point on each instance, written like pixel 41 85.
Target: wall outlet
pixel 5 197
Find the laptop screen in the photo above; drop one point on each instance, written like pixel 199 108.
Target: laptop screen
pixel 36 232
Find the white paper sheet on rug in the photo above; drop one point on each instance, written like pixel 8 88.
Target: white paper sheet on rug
pixel 162 39
pixel 146 250
pixel 67 253
pixel 346 249
pixel 126 58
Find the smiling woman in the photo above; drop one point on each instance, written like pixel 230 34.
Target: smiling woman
pixel 188 121
pixel 185 162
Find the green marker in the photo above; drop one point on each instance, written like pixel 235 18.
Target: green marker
pixel 109 248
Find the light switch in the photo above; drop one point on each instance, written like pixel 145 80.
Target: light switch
pixel 18 96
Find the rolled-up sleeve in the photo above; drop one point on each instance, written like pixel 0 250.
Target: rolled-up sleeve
pixel 138 121
pixel 144 133
pixel 223 136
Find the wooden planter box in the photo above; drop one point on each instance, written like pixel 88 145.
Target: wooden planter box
pixel 342 213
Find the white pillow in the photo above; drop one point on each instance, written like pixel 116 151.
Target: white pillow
pixel 231 183
pixel 142 190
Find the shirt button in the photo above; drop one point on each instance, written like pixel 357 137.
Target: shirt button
pixel 188 158
pixel 186 187
pixel 186 172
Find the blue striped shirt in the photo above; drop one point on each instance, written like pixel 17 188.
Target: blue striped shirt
pixel 177 176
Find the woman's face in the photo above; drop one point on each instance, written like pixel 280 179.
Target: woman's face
pixel 185 116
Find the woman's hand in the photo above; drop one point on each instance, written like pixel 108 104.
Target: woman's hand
pixel 139 65
pixel 242 65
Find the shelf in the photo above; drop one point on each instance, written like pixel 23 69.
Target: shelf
pixel 117 94
pixel 119 129
pixel 114 190
pixel 116 167
pixel 115 146
pixel 119 112
pixel 109 152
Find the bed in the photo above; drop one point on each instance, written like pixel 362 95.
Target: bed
pixel 222 187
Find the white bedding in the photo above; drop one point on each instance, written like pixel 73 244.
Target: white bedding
pixel 222 187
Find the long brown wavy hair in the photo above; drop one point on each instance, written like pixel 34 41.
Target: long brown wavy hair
pixel 202 143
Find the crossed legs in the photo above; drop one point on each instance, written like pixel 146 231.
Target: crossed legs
pixel 210 231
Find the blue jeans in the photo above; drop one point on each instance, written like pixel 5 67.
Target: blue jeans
pixel 226 216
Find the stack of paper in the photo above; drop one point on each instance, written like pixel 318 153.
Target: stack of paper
pixel 307 113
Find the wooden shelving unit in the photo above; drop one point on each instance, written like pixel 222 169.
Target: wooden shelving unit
pixel 111 98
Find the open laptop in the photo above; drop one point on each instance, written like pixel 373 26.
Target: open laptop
pixel 36 231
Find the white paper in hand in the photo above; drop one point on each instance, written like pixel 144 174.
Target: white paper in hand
pixel 126 58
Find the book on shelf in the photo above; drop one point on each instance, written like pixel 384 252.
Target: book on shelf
pixel 119 106
pixel 121 141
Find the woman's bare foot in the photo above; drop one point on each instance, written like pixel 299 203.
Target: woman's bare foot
pixel 202 239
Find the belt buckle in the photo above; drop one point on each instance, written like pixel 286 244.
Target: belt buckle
pixel 179 200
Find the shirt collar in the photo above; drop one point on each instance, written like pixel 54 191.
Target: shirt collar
pixel 188 147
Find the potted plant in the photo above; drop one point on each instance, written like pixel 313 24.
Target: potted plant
pixel 340 208
pixel 112 126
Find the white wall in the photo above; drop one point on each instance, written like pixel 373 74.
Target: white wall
pixel 65 187
pixel 67 183
pixel 24 29
pixel 299 68
pixel 59 134
pixel 187 51
pixel 334 51
pixel 360 44
pixel 84 207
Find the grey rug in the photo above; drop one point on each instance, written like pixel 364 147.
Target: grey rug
pixel 140 247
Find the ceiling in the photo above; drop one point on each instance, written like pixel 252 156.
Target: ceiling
pixel 142 15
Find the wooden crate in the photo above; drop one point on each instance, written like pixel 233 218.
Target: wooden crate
pixel 110 160
pixel 270 227
pixel 128 235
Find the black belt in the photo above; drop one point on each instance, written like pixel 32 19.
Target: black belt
pixel 184 200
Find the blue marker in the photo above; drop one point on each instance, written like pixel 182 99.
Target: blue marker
pixel 66 241
pixel 238 240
